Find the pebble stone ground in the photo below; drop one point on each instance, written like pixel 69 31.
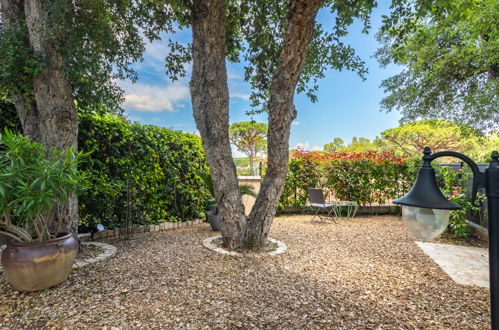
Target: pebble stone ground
pixel 361 273
pixel 464 264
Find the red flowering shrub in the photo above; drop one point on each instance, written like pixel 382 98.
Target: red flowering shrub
pixel 366 178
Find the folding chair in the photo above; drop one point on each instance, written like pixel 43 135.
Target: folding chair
pixel 317 201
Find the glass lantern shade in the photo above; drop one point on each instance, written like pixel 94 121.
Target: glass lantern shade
pixel 425 223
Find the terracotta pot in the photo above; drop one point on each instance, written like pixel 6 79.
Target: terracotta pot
pixel 39 265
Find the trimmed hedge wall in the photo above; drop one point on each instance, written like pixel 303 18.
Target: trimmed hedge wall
pixel 164 170
pixel 366 178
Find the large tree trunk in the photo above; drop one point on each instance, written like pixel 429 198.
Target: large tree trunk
pixel 50 118
pixel 57 117
pixel 210 103
pixel 210 98
pixel 300 24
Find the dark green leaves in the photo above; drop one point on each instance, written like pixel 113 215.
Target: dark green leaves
pixel 164 169
pixel 450 52
pixel 32 183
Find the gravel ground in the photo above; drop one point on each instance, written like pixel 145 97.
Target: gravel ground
pixel 361 273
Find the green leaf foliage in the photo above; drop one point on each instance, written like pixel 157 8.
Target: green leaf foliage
pixel 33 183
pixel 456 186
pixel 8 117
pixel 254 35
pixel 450 54
pixel 250 138
pixel 98 41
pixel 303 173
pixel 365 178
pixel 165 170
pixel 410 139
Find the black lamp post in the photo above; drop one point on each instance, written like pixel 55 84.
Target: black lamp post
pixel 425 211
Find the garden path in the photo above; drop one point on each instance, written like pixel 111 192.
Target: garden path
pixel 464 264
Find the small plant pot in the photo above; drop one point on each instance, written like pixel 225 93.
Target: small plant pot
pixel 36 266
pixel 214 220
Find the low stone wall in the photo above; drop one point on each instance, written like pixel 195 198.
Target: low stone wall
pixel 363 210
pixel 479 231
pixel 379 209
pixel 121 232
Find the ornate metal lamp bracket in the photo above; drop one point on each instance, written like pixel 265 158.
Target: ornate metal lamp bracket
pixel 479 180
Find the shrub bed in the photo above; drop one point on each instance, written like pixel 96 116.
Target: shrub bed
pixel 157 169
pixel 366 178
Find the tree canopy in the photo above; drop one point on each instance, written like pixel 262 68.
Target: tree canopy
pixel 249 137
pixel 336 145
pixel 450 54
pixel 255 32
pixel 98 40
pixel 410 139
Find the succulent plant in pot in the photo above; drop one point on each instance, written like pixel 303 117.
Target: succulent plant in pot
pixel 35 187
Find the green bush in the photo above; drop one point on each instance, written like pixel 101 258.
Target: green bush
pixel 365 178
pixel 302 174
pixel 163 169
pixel 35 186
pixel 456 185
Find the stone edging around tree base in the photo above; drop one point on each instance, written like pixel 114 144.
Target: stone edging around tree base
pixel 209 244
pixel 109 252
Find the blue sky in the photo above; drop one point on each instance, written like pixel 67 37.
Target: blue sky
pixel 346 107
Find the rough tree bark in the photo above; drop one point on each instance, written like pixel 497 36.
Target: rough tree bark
pixel 209 94
pixel 300 24
pixel 210 103
pixel 50 118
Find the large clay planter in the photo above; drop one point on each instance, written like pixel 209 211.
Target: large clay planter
pixel 39 265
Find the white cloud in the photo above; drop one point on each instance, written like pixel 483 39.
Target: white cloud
pixel 157 50
pixel 306 146
pixel 134 118
pixel 303 146
pixel 150 98
pixel 154 60
pixel 240 96
pixel 295 123
pixel 233 75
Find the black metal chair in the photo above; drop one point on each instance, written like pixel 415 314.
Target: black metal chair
pixel 317 201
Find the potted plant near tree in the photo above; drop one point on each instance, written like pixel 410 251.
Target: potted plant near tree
pixel 211 207
pixel 34 192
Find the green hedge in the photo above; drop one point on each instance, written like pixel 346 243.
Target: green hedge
pixel 366 178
pixel 164 167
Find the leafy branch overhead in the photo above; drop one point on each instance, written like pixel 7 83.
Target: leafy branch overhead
pixel 99 40
pixel 255 33
pixel 450 54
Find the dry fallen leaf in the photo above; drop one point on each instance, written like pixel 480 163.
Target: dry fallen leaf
pixel 360 273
